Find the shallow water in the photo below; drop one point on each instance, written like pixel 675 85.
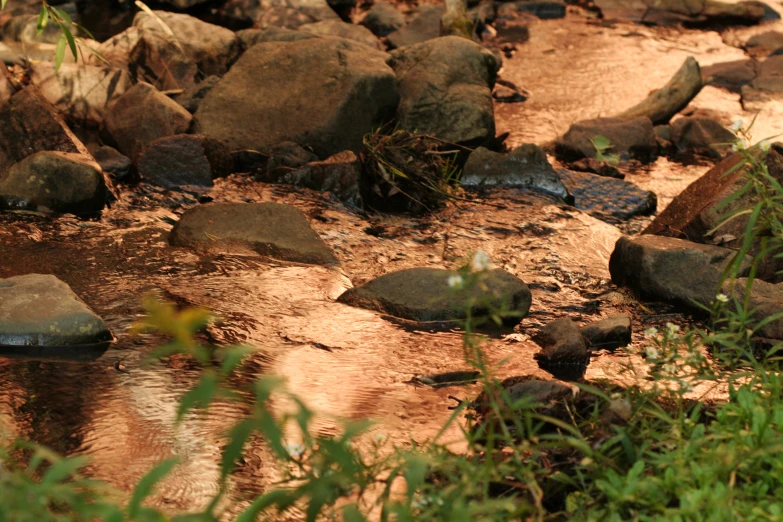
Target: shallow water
pixel 342 361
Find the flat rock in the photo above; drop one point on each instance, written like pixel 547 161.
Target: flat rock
pixel 423 295
pixel 564 351
pixel 269 229
pixel 41 311
pixel 608 199
pixel 610 333
pixel 524 167
pixel 630 139
pixel 324 93
pixel 184 159
pixel 670 269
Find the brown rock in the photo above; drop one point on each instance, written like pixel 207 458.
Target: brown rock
pixel 184 159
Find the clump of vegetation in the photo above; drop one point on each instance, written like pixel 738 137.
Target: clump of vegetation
pixel 602 146
pixel 407 172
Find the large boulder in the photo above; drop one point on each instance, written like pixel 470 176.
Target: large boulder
pixel 524 167
pixel 383 18
pixel 341 29
pixel 142 115
pixel 57 181
pixel 629 138
pixel 81 92
pixel 211 47
pixel 424 295
pixel 673 270
pixel 325 93
pixel 270 229
pixel 40 310
pixel 184 159
pixel 446 89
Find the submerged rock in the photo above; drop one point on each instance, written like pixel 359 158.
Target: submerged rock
pixel 525 167
pixel 629 138
pixel 300 98
pixel 424 295
pixel 270 229
pixel 184 159
pixel 564 350
pixel 610 333
pixel 446 89
pixel 608 199
pixel 56 181
pixel 41 311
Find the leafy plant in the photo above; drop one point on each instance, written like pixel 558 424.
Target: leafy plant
pixel 602 145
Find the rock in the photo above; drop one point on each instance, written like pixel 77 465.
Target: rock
pixel 184 159
pixel 248 114
pixel 7 88
pixel 292 14
pixel 543 9
pixel 29 124
pixel 142 115
pixel 670 269
pixel 341 29
pixel 184 4
pixel 446 89
pixel 114 163
pixel 634 138
pixel 770 76
pixel 383 19
pixel 564 350
pixel 423 295
pixel 610 333
pixel 766 299
pixel 601 168
pixel 56 181
pixel 761 45
pixel 284 158
pixel 423 26
pixel 692 214
pixel 524 167
pixel 251 37
pixel 702 136
pixel 39 310
pixel 213 48
pixel 81 92
pixel 338 174
pixel 24 28
pixel 269 229
pixel 608 199
pixel 192 96
pixel 668 12
pixel 730 75
pixel 507 92
pixel 150 56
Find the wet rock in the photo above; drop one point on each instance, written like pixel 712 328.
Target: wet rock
pixel 284 158
pixel 766 299
pixel 142 115
pixel 269 229
pixel 730 75
pixel 630 138
pixel 184 159
pixel 610 333
pixel 445 89
pixel 601 168
pixel 442 380
pixel 423 295
pixel 248 114
pixel 692 214
pixel 507 92
pixel 761 45
pixel 251 37
pixel 338 174
pixel 383 19
pixel 150 56
pixel 608 199
pixel 29 124
pixel 564 350
pixel 292 14
pixel 525 167
pixel 341 29
pixel 56 181
pixel 39 310
pixel 211 47
pixel 545 9
pixel 670 269
pixel 192 96
pixel 113 162
pixel 423 25
pixel 702 136
pixel 81 92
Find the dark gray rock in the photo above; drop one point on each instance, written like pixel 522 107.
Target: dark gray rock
pixel 341 29
pixel 56 181
pixel 766 299
pixel 192 96
pixel 423 295
pixel 564 351
pixel 383 19
pixel 525 167
pixel 41 311
pixel 113 162
pixel 269 229
pixel 142 115
pixel 630 138
pixel 283 158
pixel 601 168
pixel 702 136
pixel 300 98
pixel 610 333
pixel 338 174
pixel 608 199
pixel 424 25
pixel 446 89
pixel 670 269
pixel 769 78
pixel 184 159
pixel 730 75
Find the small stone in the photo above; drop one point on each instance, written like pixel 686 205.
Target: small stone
pixel 184 159
pixel 113 162
pixel 610 333
pixel 702 136
pixel 601 168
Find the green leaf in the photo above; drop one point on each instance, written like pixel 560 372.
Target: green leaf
pixel 2 4
pixel 200 396
pixel 351 514
pixel 43 19
pixel 239 435
pixel 601 143
pixel 59 53
pixel 62 15
pixel 414 475
pixel 147 483
pixel 71 41
pixel 62 470
pixel 279 497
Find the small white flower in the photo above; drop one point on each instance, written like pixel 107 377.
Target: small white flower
pixel 651 332
pixel 685 387
pixel 379 438
pixel 480 261
pixel 765 145
pixel 456 281
pixel 672 328
pixel 740 144
pixel 736 126
pixel 723 298
pixel 295 450
pixel 669 368
pixel 651 352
